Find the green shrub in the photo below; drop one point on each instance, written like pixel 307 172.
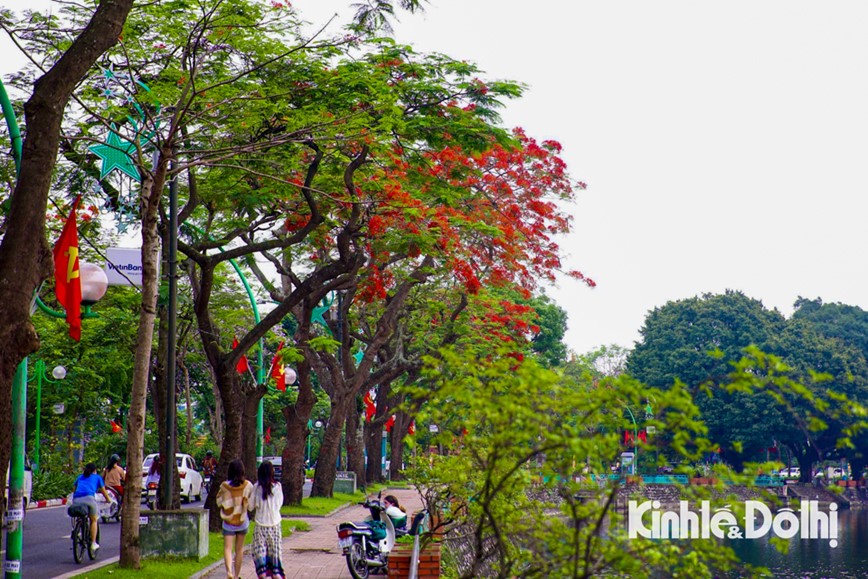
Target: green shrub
pixel 52 484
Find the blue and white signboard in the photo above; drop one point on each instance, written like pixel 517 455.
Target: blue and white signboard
pixel 124 266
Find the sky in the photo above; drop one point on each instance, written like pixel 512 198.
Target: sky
pixel 724 144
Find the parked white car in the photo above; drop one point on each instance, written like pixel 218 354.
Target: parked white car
pixel 28 483
pixel 188 471
pixel 791 472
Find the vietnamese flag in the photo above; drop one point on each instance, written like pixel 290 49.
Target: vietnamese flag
pixel 411 430
pixel 390 423
pixel 115 427
pixel 242 366
pixel 277 370
pixel 370 407
pixel 67 279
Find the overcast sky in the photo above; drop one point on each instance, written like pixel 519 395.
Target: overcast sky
pixel 724 144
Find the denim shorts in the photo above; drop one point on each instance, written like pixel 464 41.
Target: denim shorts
pixel 229 530
pixel 89 502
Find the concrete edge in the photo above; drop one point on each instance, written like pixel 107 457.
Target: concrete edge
pixel 91 567
pixel 46 503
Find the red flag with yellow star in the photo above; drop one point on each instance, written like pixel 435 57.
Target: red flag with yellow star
pixel 277 370
pixel 67 279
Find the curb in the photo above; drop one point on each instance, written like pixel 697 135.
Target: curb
pixel 46 503
pixel 92 567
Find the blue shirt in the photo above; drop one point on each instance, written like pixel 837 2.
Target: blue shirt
pixel 87 486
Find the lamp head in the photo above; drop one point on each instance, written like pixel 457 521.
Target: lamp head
pixel 289 375
pixel 59 372
pixel 94 283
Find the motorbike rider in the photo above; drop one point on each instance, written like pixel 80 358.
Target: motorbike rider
pixel 114 475
pixel 209 465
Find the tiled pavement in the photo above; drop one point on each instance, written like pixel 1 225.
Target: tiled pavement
pixel 314 554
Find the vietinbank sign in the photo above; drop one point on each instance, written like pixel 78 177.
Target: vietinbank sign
pixel 646 520
pixel 124 266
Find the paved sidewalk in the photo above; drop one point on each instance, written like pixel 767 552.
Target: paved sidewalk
pixel 314 554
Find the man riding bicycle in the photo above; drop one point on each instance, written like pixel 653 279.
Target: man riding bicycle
pixel 84 493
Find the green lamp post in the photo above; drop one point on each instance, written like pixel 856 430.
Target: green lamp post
pixel 59 373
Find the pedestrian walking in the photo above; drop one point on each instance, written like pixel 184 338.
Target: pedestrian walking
pixel 267 500
pixel 234 497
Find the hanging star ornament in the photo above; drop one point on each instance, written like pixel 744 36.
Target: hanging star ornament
pixel 115 155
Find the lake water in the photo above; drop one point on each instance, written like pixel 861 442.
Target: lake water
pixel 815 558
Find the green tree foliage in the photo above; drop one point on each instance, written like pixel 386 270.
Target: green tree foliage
pixel 696 341
pixel 96 388
pixel 551 325
pixel 519 445
pixel 848 327
pixel 699 340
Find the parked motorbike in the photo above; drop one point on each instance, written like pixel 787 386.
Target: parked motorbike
pixel 367 544
pixel 151 495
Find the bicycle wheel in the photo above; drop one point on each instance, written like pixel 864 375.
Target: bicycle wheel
pixel 78 540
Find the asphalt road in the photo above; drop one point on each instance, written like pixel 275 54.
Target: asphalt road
pixel 47 548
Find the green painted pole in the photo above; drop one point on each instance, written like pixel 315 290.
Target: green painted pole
pixel 15 512
pixel 635 436
pixel 12 123
pixel 40 371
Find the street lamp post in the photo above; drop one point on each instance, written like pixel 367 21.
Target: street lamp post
pixel 59 373
pixel 635 464
pixel 310 425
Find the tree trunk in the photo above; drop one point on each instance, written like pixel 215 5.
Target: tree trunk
pixel 188 401
pixel 297 417
pixel 374 446
pixel 25 258
pixel 326 464
pixel 216 414
pixel 355 442
pixel 293 453
pixel 396 443
pixel 130 555
pixel 248 432
pixel 396 459
pixel 233 404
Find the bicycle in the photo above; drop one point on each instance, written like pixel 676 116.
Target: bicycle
pixel 81 533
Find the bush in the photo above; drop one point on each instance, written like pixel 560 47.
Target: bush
pixel 52 484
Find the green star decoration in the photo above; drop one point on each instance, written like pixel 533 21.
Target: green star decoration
pixel 115 154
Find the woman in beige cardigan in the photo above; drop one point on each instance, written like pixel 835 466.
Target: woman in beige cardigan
pixel 233 496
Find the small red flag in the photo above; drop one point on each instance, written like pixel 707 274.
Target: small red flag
pixel 242 366
pixel 390 423
pixel 115 427
pixel 67 279
pixel 411 430
pixel 370 407
pixel 268 435
pixel 277 370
